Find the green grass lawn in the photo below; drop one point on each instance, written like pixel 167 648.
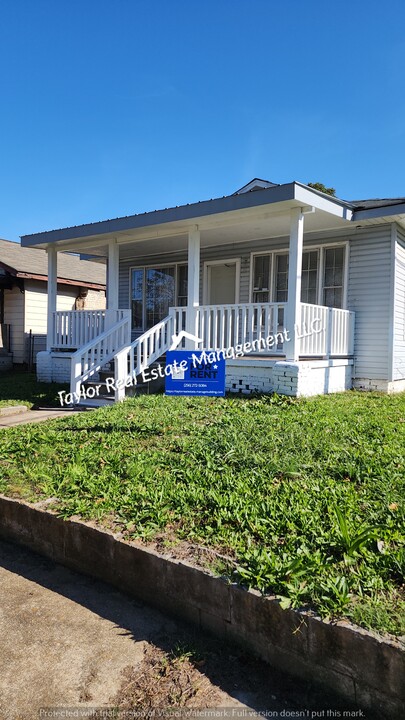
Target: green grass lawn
pixel 305 496
pixel 20 387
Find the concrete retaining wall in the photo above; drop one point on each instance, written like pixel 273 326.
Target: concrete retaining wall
pixel 365 669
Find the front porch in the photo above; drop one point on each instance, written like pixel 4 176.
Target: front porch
pixel 273 327
pixel 253 337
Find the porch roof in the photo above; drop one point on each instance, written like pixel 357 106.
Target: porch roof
pixel 259 210
pixel 273 202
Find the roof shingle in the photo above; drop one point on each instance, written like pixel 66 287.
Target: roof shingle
pixel 33 261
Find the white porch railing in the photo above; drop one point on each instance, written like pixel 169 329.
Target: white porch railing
pixel 90 358
pixel 131 360
pixel 322 332
pixel 74 328
pixel 151 345
pixel 226 326
pixel 325 332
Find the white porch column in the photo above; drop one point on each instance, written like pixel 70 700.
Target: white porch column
pixel 294 282
pixel 193 291
pixel 52 294
pixel 113 275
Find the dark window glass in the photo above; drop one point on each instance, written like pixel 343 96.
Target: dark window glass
pixel 182 285
pixel 333 277
pixel 137 299
pixel 159 294
pixel 261 278
pixel 281 278
pixel 309 277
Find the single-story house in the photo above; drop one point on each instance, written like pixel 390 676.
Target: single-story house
pixel 312 286
pixel 80 285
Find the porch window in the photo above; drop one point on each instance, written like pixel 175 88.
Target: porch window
pixel 160 286
pixel 154 290
pixel 309 277
pixel 281 278
pixel 333 277
pixel 137 299
pixel 182 285
pixel 321 280
pixel 261 278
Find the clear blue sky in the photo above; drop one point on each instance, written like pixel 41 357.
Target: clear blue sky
pixel 111 107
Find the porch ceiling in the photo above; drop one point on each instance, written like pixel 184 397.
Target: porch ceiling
pixel 242 229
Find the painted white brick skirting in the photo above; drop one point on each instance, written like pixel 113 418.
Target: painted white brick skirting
pixel 380 385
pixel 300 379
pixel 244 376
pixel 53 367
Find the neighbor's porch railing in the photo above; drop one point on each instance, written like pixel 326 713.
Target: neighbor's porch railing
pixel 74 328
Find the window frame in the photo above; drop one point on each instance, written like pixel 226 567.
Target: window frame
pixel 320 248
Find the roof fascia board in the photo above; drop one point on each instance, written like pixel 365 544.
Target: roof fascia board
pixel 329 204
pixel 383 211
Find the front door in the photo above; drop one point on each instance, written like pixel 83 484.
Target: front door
pixel 221 283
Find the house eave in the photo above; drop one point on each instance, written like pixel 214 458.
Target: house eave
pixel 384 211
pixel 291 194
pixel 61 281
pixel 13 273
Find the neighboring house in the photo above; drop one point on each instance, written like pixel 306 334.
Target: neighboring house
pixel 24 298
pixel 238 269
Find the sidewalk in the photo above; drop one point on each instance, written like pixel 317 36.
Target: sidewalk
pixel 21 415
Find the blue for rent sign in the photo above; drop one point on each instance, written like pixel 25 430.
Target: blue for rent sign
pixel 194 373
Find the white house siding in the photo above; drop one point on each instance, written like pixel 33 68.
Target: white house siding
pixel 14 316
pixel 399 308
pixel 36 306
pixel 36 303
pixel 369 295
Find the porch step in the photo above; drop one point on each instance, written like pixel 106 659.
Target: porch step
pixel 106 395
pixel 97 402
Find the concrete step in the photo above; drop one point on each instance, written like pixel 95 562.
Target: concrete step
pixel 96 402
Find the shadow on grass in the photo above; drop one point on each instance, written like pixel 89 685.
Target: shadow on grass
pixel 21 386
pixel 109 428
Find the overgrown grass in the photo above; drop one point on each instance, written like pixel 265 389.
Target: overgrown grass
pixel 20 387
pixel 306 495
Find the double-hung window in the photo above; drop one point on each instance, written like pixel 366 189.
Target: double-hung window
pixel 261 278
pixel 322 279
pixel 333 272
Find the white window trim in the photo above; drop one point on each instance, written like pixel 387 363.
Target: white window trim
pixel 224 261
pixel 320 248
